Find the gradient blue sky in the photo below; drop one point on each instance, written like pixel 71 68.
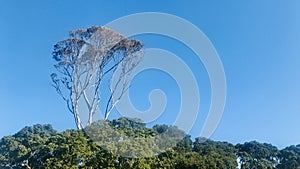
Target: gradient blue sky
pixel 258 43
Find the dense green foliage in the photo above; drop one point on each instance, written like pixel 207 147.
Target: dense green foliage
pixel 119 143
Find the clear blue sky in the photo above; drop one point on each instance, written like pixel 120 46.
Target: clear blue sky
pixel 258 43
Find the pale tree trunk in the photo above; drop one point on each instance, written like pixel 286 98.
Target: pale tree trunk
pixel 76 117
pixel 90 117
pixel 77 120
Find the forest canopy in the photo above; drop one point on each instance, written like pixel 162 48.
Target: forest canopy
pixel 40 146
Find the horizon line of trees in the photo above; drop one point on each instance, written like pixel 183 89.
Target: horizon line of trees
pixel 40 146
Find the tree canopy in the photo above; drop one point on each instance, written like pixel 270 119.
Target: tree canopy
pixel 40 146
